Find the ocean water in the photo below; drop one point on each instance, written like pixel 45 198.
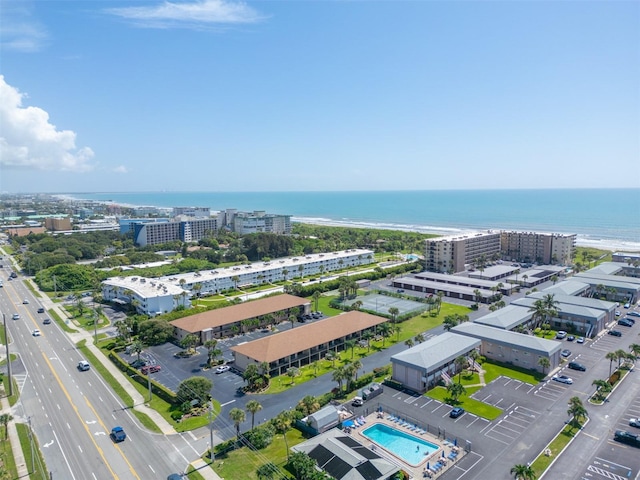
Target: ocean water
pixel 607 218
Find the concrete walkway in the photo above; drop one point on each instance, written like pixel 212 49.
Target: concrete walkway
pixel 14 440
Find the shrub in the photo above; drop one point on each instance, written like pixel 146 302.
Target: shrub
pixel 176 415
pixel 261 437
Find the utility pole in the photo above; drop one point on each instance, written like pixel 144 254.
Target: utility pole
pixel 6 343
pixel 211 454
pixel 149 381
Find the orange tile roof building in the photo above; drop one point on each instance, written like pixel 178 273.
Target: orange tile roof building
pixel 229 320
pixel 302 345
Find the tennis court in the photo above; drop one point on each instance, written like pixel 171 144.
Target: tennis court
pixel 382 303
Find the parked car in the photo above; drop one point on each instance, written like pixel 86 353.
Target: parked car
pixel 629 438
pixel 635 422
pixel 627 305
pixel 580 340
pixel 118 434
pixel 138 363
pixel 565 353
pixel 618 313
pixel 357 402
pixel 615 333
pixel 625 323
pixel 147 369
pixel 634 314
pixel 561 335
pixel 456 412
pixel 577 366
pixel 175 476
pixel 223 368
pixel 570 338
pixel 562 379
pixel 41 310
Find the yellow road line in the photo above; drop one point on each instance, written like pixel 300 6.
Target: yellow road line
pixel 66 393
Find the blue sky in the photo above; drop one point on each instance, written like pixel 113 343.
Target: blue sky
pixel 214 95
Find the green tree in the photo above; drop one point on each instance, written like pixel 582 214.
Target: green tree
pixel 189 342
pixel 316 297
pixel 5 418
pixel 393 311
pixel 292 373
pixel 154 331
pixel 195 388
pixel 523 472
pixel 460 363
pixel 212 351
pixel 350 344
pixel 308 405
pixel 137 347
pixel 253 407
pixel 455 390
pixel 237 416
pixel 545 363
pixel 282 424
pixel 268 471
pixel 611 356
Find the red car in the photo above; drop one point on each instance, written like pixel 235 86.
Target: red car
pixel 147 369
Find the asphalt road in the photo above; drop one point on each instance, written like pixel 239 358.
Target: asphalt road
pixel 73 412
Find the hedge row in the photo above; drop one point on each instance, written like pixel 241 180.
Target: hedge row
pixel 156 388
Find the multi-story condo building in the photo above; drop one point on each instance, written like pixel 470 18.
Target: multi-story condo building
pixel 451 254
pixel 149 296
pixel 190 230
pixel 541 248
pixel 127 224
pixel 259 221
pixel 57 223
pixel 196 212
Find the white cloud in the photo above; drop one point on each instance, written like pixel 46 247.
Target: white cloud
pixel 18 31
pixel 28 140
pixel 121 169
pixel 193 14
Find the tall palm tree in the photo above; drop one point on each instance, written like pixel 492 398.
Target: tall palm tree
pixel 523 472
pixel 455 390
pixel 460 362
pixel 339 375
pixel 309 405
pixel 253 407
pixel 393 311
pixel 350 344
pixel 212 350
pixel 282 423
pixel 237 416
pixel 545 363
pixel 316 296
pixel 5 418
pixel 611 356
pixel 409 342
pixel 419 338
pixel 137 347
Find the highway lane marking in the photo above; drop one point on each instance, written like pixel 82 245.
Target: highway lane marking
pixel 63 455
pixel 115 445
pixel 75 409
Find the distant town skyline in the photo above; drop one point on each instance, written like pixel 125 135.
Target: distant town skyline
pixel 215 95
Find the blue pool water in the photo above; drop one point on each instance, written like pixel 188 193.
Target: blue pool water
pixel 407 447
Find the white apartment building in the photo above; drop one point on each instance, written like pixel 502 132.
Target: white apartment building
pixel 150 296
pixel 195 212
pixel 451 254
pixel 221 279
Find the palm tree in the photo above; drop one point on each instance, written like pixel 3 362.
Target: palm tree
pixel 309 405
pixel 393 311
pixel 137 347
pixel 523 472
pixel 634 348
pixel 460 362
pixel 545 363
pixel 576 409
pixel 292 320
pixel 267 471
pixel 419 338
pixel 539 311
pixel 292 373
pixel 212 351
pixel 282 423
pixel 316 296
pixel 367 336
pixel 455 390
pixel 439 301
pixel 409 342
pixel 237 416
pixel 611 356
pixel 253 407
pixel 339 376
pixel 285 272
pixel 5 418
pixel 356 305
pixel 189 342
pixel 350 344
pixel 385 331
pixel 235 279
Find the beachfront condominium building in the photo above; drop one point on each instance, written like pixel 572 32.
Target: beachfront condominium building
pixel 190 230
pixel 258 221
pixel 451 254
pixel 127 224
pixel 195 212
pixel 541 248
pixel 56 224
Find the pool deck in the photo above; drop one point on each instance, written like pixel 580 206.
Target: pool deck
pixel 435 459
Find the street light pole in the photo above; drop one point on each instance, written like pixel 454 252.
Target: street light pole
pixel 149 380
pixel 33 468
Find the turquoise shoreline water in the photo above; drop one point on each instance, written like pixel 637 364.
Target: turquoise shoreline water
pixel 609 218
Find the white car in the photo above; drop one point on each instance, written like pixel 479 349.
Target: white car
pixel 223 368
pixel 36 333
pixel 635 422
pixel 562 379
pixel 25 302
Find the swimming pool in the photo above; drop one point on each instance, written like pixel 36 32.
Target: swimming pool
pixel 412 450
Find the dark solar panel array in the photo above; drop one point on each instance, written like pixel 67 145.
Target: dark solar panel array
pixel 349 442
pixel 543 273
pixel 368 471
pixel 321 455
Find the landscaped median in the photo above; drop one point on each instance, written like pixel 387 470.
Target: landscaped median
pixel 554 449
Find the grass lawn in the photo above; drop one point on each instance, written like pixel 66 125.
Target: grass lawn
pixel 63 324
pixel 244 462
pixel 408 329
pixel 87 319
pixel 556 446
pixel 6 456
pixel 39 471
pixel 469 404
pixel 495 370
